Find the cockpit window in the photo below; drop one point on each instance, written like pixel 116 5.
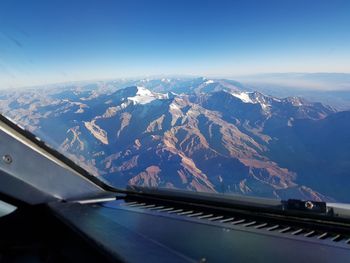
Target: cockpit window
pixel 227 97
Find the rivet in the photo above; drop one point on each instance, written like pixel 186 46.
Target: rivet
pixel 309 205
pixel 7 158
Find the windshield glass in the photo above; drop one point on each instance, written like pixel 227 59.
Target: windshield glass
pixel 233 97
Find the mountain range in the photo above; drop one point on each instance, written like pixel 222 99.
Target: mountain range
pixel 198 134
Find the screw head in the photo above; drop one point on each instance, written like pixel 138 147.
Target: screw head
pixel 309 205
pixel 7 158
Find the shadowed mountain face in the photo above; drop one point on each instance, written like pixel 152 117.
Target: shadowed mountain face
pixel 195 134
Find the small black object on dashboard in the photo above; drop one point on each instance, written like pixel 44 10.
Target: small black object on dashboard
pixel 307 206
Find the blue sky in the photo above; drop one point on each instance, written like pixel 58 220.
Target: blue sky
pixel 55 41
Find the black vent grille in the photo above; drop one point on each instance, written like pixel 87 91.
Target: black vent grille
pixel 242 221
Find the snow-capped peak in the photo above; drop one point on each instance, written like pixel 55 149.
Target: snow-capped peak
pixel 252 97
pixel 142 91
pixel 296 101
pixel 210 81
pixel 166 80
pixel 243 96
pixel 144 96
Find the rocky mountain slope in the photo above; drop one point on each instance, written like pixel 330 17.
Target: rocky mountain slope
pixel 196 134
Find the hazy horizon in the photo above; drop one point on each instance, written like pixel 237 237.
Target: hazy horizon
pixel 298 80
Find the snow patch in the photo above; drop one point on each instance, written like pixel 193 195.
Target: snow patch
pixel 144 96
pixel 264 105
pixel 243 96
pixel 246 98
pixel 209 81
